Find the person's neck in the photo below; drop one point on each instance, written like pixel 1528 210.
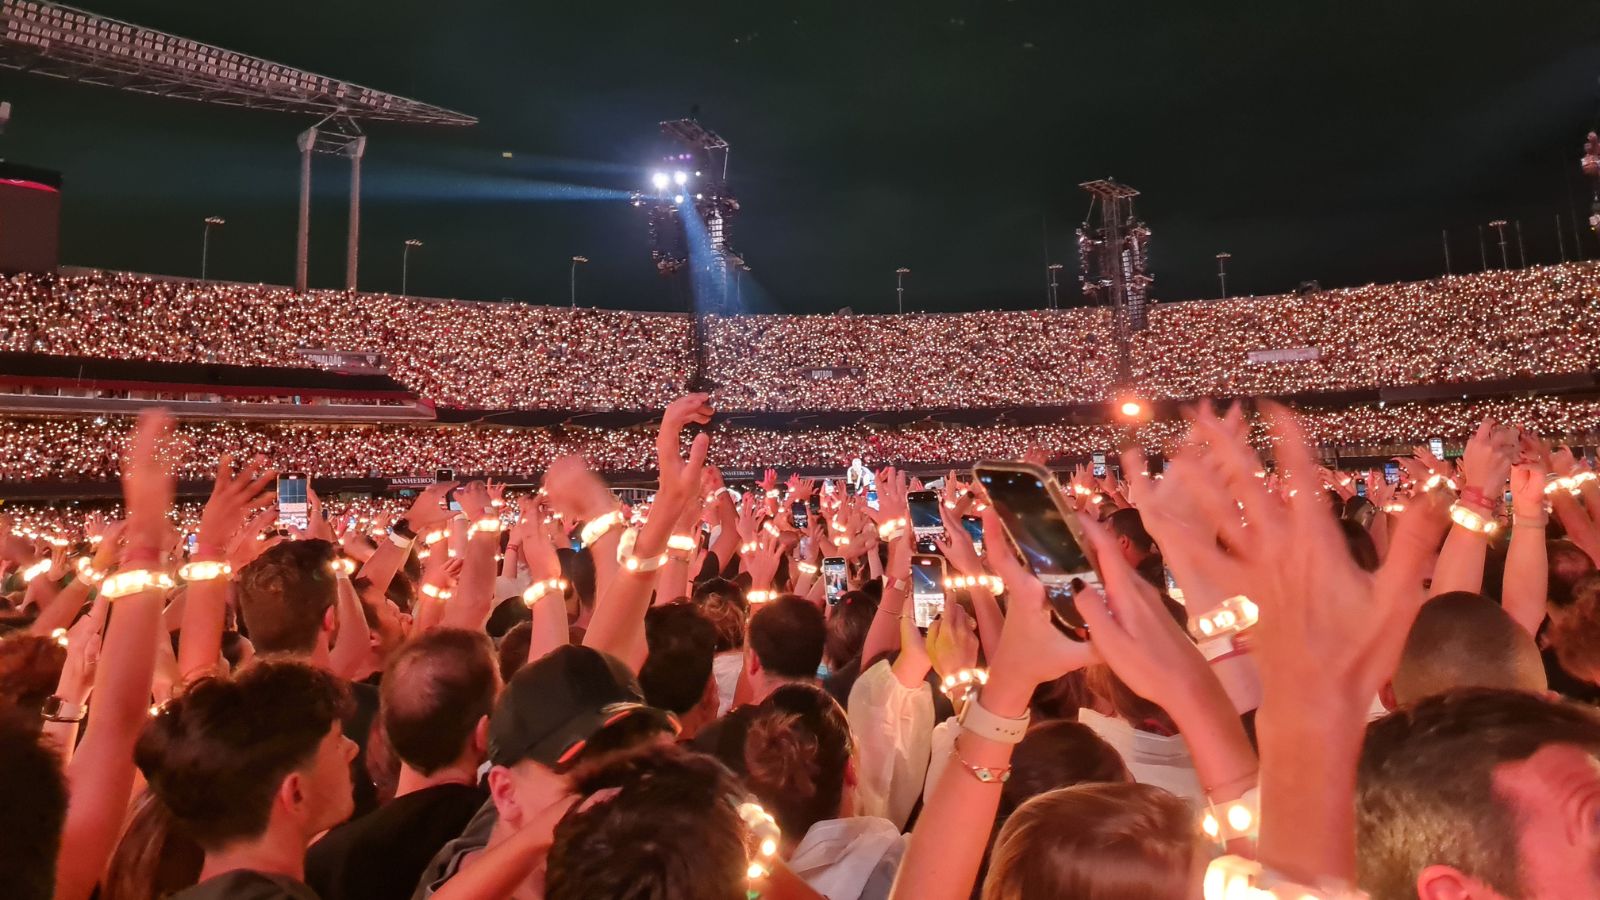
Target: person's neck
pixel 463 771
pixel 278 851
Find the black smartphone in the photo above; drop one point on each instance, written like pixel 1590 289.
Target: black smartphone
pixel 293 499
pixel 443 475
pixel 797 515
pixel 1361 487
pixel 1391 472
pixel 835 578
pixel 1040 523
pixel 974 527
pixel 927 588
pixel 925 521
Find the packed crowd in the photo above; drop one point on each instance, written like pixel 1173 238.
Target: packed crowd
pixel 1538 321
pixel 1234 678
pixel 478 355
pixel 88 449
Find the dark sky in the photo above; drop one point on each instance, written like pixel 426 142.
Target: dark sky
pixel 1311 140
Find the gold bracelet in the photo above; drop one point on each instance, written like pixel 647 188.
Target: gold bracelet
pixel 985 774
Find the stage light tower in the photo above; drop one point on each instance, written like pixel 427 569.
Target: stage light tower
pixel 1053 269
pixel 900 288
pixel 1500 226
pixel 576 260
pixel 1222 271
pixel 205 241
pixel 405 262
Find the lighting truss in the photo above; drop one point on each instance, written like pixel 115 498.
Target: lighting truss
pixel 61 41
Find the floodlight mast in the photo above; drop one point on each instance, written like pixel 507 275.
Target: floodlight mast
pixel 1114 263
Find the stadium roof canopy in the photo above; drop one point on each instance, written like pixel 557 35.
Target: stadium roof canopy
pixel 64 42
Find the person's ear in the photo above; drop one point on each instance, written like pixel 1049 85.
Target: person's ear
pixel 480 737
pixel 1446 883
pixel 292 793
pixel 1386 696
pixel 752 665
pixel 850 777
pixel 330 620
pixel 503 791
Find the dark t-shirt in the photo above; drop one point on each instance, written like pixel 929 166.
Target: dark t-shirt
pixel 724 738
pixel 358 728
pixel 381 855
pixel 247 884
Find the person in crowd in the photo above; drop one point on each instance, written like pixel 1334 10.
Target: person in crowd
pixel 723 602
pixel 253 767
pixel 784 646
pixel 35 809
pixel 438 690
pixel 677 674
pixel 1462 640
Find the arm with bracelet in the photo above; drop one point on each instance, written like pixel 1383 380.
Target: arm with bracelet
pixel 473 599
pixel 894 529
pixel 1484 466
pixel 424 518
pixel 1526 583
pixel 546 595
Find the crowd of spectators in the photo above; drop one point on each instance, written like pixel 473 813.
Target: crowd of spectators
pixel 68 449
pixel 479 355
pixel 1498 324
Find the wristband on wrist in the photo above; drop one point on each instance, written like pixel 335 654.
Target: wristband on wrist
pixel 1229 877
pixel 435 536
pixel 59 709
pixel 59 635
pixel 593 531
pixel 203 570
pixel 633 562
pixel 35 570
pixel 964 682
pixel 980 722
pixel 402 541
pixel 1239 818
pixel 539 589
pixel 891 583
pixel 760 596
pixel 1233 615
pixel 990 583
pixel 891 529
pixel 342 566
pixel 1474 520
pixel 404 530
pixel 134 581
pixel 1436 481
pixel 435 592
pixel 806 568
pixel 485 525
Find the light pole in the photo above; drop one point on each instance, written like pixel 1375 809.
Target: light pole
pixel 576 260
pixel 1222 271
pixel 405 262
pixel 205 241
pixel 900 287
pixel 1500 226
pixel 1055 300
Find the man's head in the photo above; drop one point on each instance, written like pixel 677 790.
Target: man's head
pixel 1462 639
pixel 1575 631
pixel 1569 565
pixel 566 707
pixel 437 693
pixel 232 757
pixel 786 640
pixel 1132 539
pixel 287 597
pixel 34 811
pixel 677 671
pixel 1480 793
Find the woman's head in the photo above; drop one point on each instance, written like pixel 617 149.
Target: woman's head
pixel 1105 841
pixel 658 823
pixel 848 621
pixel 723 603
pixel 797 756
pixel 1056 755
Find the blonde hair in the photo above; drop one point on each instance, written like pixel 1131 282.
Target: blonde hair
pixel 1097 842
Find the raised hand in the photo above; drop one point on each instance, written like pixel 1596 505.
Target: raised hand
pixel 148 484
pixel 690 408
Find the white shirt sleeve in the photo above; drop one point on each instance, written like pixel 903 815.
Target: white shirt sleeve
pixel 893 727
pixel 942 744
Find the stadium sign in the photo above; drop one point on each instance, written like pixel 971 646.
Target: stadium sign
pixel 345 362
pixel 1290 355
pixel 830 372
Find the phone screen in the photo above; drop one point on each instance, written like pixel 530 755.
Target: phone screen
pixel 925 521
pixel 974 527
pixel 927 588
pixel 1039 528
pixel 1391 472
pixel 835 575
pixel 443 475
pixel 191 543
pixel 292 499
pixel 1361 487
pixel 797 515
pixel 1099 465
pixel 872 497
pixel 1436 447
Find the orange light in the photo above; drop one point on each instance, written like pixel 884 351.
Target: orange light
pixel 1132 408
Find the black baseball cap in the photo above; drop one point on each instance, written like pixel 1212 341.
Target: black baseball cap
pixel 554 705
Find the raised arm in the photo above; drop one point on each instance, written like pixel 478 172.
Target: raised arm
pixel 473 600
pixel 894 527
pixel 234 497
pixel 1526 583
pixel 1484 467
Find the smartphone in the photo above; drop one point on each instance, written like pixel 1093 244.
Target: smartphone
pixel 443 475
pixel 974 527
pixel 191 543
pixel 872 497
pixel 835 578
pixel 1361 487
pixel 1038 520
pixel 1098 465
pixel 293 502
pixel 927 588
pixel 925 521
pixel 1391 472
pixel 798 515
pixel 1436 447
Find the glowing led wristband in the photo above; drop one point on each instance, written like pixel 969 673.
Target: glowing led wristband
pixel 1239 818
pixel 1473 520
pixel 1436 481
pixel 1237 878
pixel 774 494
pixel 597 529
pixel 1234 615
pixel 1394 507
pixel 59 635
pixel 770 528
pixel 761 596
pixel 749 547
pixel 87 571
pixel 497 504
pixel 682 542
pixel 342 565
pixel 134 581
pixel 485 525
pixel 35 570
pixel 204 570
pixel 765 830
pixel 891 529
pixel 434 537
pixel 806 568
pixel 964 681
pixel 435 592
pixel 632 562
pixel 991 583
pixel 538 589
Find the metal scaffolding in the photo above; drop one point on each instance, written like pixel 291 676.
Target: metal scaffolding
pixel 1114 264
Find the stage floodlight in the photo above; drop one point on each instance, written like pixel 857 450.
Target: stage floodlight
pixel 659 179
pixel 680 178
pixel 678 199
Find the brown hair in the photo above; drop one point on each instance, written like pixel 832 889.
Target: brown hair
pixel 723 602
pixel 1097 842
pixel 284 595
pixel 796 753
pixel 1575 631
pixel 153 858
pixel 434 692
pixel 30 667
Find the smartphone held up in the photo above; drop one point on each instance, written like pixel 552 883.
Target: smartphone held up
pixel 1044 528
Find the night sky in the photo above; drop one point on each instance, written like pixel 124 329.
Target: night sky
pixel 1328 141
